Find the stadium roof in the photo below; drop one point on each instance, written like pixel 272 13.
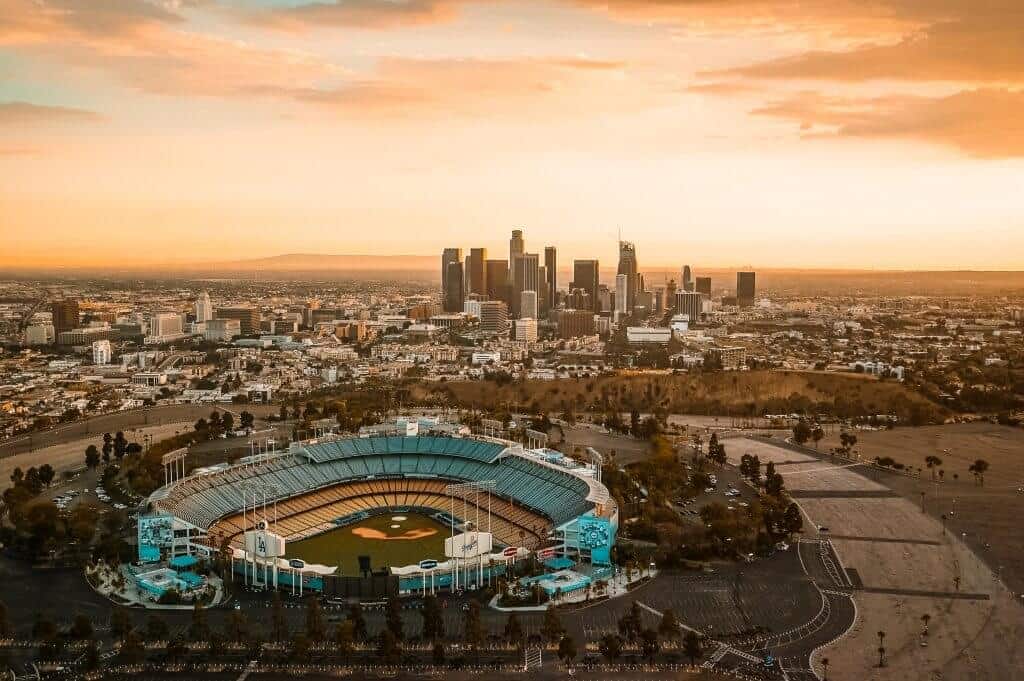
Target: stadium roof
pixel 477 450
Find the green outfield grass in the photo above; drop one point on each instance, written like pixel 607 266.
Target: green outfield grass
pixel 375 537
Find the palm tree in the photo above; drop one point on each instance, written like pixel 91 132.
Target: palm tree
pixel 824 666
pixel 925 618
pixel 881 648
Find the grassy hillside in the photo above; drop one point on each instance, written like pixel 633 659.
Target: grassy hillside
pixel 721 393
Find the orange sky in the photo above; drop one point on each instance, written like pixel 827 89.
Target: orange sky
pixel 774 133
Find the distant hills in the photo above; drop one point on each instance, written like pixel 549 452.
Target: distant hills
pixel 321 262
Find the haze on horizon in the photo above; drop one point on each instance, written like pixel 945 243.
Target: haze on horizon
pixel 774 133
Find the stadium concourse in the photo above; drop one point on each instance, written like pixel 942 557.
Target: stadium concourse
pixel 504 500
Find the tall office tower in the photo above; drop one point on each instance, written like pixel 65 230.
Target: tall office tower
pixel 525 277
pixel 621 296
pixel 529 306
pixel 604 299
pixel 542 291
pixel 448 256
pixel 455 287
pixel 204 308
pixel 526 330
pixel 551 274
pixel 670 294
pixel 493 316
pixel 497 280
pixel 585 275
pixel 691 304
pixel 704 286
pixel 658 300
pixel 687 278
pixel 166 324
pixel 248 318
pixel 745 289
pixel 477 271
pixel 627 267
pixel 101 352
pixel 578 299
pixel 65 315
pixel 516 245
pixel 575 323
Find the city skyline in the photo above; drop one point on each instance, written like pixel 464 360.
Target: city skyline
pixel 809 135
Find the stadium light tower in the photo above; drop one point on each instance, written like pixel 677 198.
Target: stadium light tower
pixel 467 491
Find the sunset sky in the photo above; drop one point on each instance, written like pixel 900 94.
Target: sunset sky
pixel 774 133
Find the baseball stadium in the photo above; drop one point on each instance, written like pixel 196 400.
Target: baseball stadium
pixel 419 503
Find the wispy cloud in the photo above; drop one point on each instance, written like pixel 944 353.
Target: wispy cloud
pixel 984 123
pixel 26 113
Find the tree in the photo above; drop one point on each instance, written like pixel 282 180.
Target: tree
pixel 344 638
pixel 108 447
pixel 567 649
pixel 46 474
pixel 358 620
pixel 552 627
pixel 978 468
pixel 300 646
pixel 131 651
pixel 474 629
pixel 156 629
pixel 120 623
pixel 433 621
pixel 881 648
pixel 610 647
pixel 227 422
pixel 120 445
pixel 669 625
pixel 393 619
pixel 316 627
pixel 793 520
pixel 278 622
pixel 631 623
pixel 801 432
pixel 247 420
pixel 92 457
pixel 824 666
pixel 5 624
pixel 199 629
pixel 649 644
pixel 817 434
pixel 387 646
pixel 513 629
pixel 932 462
pixel 693 647
pixel 81 628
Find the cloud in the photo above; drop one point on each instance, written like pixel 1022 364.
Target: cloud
pixel 983 123
pixel 376 14
pixel 987 49
pixel 53 20
pixel 25 113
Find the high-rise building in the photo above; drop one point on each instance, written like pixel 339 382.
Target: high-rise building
pixel 585 275
pixel 164 324
pixel 575 323
pixel 704 286
pixel 477 272
pixel 454 287
pixel 621 296
pixel 525 277
pixel 65 315
pixel 551 274
pixel 627 267
pixel 745 289
pixel 526 330
pixel 516 245
pixel 687 278
pixel 40 334
pixel 529 307
pixel 497 280
pixel 204 308
pixel 248 318
pixel 691 304
pixel 222 330
pixel 101 352
pixel 448 256
pixel 670 294
pixel 493 316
